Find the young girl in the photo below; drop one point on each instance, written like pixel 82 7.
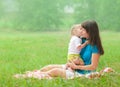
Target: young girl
pixel 75 45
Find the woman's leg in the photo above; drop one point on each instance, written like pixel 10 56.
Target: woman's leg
pixel 57 72
pixel 50 67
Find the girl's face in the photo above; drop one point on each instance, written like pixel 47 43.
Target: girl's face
pixel 79 31
pixel 84 33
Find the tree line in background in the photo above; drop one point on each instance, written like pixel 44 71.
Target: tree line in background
pixel 50 15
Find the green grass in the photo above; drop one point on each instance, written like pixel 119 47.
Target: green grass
pixel 20 52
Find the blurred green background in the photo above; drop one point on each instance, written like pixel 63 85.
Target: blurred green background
pixel 56 15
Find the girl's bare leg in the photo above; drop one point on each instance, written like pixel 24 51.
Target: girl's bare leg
pixel 50 67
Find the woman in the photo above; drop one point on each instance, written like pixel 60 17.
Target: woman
pixel 90 55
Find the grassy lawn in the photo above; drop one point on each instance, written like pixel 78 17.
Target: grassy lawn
pixel 20 52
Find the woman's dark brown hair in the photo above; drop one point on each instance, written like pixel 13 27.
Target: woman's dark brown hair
pixel 92 29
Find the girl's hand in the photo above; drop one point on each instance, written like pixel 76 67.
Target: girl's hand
pixel 72 65
pixel 87 41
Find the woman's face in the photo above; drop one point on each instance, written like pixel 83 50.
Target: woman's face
pixel 84 33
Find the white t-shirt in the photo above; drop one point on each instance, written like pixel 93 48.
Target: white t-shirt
pixel 73 44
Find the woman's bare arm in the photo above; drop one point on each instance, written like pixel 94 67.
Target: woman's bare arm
pixel 92 66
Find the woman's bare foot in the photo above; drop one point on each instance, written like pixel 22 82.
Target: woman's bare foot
pixel 19 76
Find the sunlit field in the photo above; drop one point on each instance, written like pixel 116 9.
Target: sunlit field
pixel 20 52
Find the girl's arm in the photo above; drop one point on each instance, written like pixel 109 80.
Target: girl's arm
pixel 82 45
pixel 92 66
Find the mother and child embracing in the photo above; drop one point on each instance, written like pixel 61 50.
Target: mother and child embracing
pixel 84 51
